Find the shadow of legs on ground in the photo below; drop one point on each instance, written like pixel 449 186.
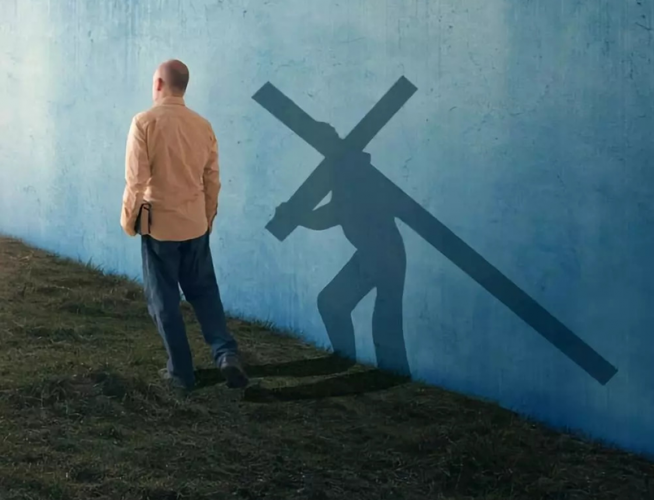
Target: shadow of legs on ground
pixel 347 384
pixel 328 365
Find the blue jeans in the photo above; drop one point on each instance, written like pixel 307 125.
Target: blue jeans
pixel 167 265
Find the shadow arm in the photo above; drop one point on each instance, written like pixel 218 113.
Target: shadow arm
pixel 321 218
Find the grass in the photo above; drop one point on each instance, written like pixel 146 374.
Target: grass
pixel 84 416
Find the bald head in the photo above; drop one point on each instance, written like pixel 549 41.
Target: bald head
pixel 170 79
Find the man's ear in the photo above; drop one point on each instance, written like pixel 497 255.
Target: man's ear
pixel 159 84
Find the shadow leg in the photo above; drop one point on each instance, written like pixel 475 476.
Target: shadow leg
pixel 336 303
pixel 388 334
pixel 387 319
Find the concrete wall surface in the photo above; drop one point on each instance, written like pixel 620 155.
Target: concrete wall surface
pixel 499 239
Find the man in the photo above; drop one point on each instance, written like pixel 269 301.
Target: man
pixel 171 200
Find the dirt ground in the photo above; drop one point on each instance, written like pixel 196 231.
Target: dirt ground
pixel 84 416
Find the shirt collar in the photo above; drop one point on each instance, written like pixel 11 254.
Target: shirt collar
pixel 170 100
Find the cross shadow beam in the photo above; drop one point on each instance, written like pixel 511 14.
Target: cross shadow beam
pixel 317 185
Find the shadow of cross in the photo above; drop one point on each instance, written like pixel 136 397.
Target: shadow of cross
pixel 317 186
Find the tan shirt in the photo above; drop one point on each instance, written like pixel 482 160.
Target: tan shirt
pixel 171 162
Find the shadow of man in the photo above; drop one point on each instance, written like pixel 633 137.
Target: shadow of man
pixel 363 208
pixel 365 204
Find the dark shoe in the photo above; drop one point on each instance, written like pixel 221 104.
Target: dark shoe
pixel 230 366
pixel 175 382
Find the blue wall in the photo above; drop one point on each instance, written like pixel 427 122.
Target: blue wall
pixel 529 136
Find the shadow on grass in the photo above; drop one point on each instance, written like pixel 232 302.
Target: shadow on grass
pixel 347 384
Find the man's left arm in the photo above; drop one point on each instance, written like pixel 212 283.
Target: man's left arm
pixel 137 174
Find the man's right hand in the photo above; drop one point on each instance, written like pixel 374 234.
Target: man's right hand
pixel 211 222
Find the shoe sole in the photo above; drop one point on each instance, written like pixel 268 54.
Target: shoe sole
pixel 235 378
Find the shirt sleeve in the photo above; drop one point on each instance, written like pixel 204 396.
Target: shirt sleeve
pixel 211 181
pixel 137 175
